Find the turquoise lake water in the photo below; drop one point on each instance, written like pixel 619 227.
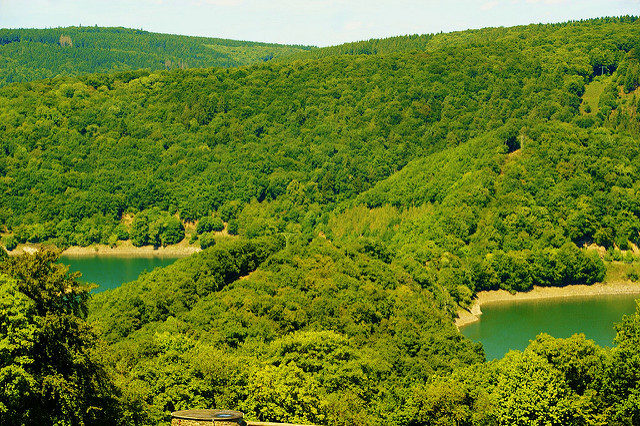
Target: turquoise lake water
pixel 110 272
pixel 505 326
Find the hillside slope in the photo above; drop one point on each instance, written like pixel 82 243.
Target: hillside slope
pixel 311 133
pixel 32 54
pixel 581 34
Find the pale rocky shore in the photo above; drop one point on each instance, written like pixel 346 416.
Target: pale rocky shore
pixel 123 249
pixel 471 315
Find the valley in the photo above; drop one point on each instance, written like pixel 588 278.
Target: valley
pixel 336 208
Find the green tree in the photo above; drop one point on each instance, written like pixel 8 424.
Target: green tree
pixel 140 230
pixel 48 373
pixel 10 242
pixel 172 232
pixel 529 391
pixel 233 227
pixel 622 390
pixel 285 394
pixel 207 240
pixel 209 224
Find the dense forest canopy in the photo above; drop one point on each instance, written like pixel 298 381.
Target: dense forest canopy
pixel 483 136
pixel 31 54
pixel 366 193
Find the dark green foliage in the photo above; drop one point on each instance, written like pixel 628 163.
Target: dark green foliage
pixel 31 54
pixel 172 231
pixel 629 72
pixel 121 232
pixel 209 224
pixel 375 188
pixel 197 141
pixel 140 230
pixel 520 270
pixel 634 275
pixel 233 226
pixel 153 227
pixel 10 242
pixel 229 210
pixel 207 240
pixel 48 372
pixel 216 224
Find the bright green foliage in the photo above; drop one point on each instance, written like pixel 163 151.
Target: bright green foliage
pixel 553 382
pixel 286 393
pixel 31 54
pixel 624 371
pixel 447 402
pixel 177 288
pixel 18 338
pixel 48 373
pixel 386 332
pixel 531 393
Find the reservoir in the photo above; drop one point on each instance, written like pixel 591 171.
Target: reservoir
pixel 111 271
pixel 511 325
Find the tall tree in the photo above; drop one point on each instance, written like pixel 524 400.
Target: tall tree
pixel 48 372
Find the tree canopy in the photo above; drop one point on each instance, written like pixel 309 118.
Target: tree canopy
pixel 48 369
pixel 33 54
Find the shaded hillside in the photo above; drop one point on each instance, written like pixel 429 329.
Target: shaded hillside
pixel 32 54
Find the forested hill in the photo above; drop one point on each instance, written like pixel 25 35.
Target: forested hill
pixel 300 137
pixel 519 37
pixel 32 54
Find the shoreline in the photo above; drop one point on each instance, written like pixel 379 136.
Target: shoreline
pixel 474 312
pixel 124 249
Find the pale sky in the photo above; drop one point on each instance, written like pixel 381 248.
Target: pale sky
pixel 313 22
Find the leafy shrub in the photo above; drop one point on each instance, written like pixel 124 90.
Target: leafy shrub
pixel 232 227
pixel 207 240
pixel 172 232
pixel 217 224
pixel 10 242
pixel 209 224
pixel 140 230
pixel 121 232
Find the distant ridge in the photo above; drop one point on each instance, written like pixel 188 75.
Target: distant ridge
pixel 466 38
pixel 31 54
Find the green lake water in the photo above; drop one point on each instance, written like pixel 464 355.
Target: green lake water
pixel 110 271
pixel 505 326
